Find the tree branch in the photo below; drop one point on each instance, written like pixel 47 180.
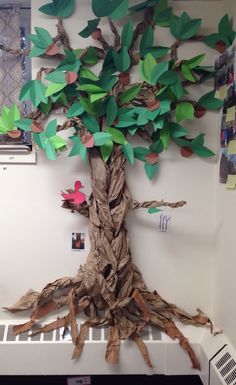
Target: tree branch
pixel 116 34
pixel 153 204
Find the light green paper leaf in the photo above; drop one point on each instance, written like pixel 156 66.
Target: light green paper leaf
pixel 101 138
pixel 130 93
pixel 53 88
pixel 57 142
pixel 106 150
pixel 99 95
pixel 86 73
pixel 187 73
pixel 116 135
pixel 184 110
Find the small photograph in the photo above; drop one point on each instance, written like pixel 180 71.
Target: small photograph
pixel 227 132
pixel 227 165
pixel 225 66
pixel 78 241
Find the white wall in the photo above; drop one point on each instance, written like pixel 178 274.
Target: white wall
pixel 36 232
pixel 224 267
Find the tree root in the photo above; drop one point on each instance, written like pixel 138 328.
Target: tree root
pixel 126 318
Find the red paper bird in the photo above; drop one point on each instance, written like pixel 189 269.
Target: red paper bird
pixel 76 197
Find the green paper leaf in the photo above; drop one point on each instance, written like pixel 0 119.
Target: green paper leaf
pixel 165 106
pixel 91 57
pixel 101 138
pixel 59 8
pixel 139 7
pixel 127 34
pixel 146 40
pixel 51 128
pixel 70 63
pixel 128 152
pixel 90 123
pixel 202 151
pixel 157 52
pixel 91 27
pixel 212 39
pixel 178 89
pixel 106 150
pixel 83 153
pixel 120 11
pixel 122 60
pixel 151 170
pixel 159 70
pixel 75 109
pixel 130 93
pixel 162 14
pixel 56 77
pixel 168 78
pixel 209 102
pixel 50 150
pixel 53 88
pixel 190 29
pixel 35 91
pixel 103 8
pixel 24 124
pixel 111 110
pixel 176 130
pixel 116 135
pixel 183 111
pixel 153 210
pixel 141 153
pixel 89 107
pixel 157 147
pixel 36 51
pixel 77 145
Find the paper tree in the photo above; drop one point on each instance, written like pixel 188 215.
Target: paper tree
pixel 106 111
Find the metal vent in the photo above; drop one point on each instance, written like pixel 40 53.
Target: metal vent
pixel 95 335
pixel 223 365
pixel 223 360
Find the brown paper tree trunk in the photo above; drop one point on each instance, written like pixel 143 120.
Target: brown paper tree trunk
pixel 109 288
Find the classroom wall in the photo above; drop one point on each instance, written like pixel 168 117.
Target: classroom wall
pixel 36 232
pixel 224 312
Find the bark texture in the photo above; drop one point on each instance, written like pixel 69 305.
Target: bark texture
pixel 109 288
